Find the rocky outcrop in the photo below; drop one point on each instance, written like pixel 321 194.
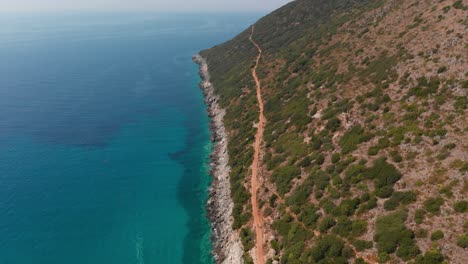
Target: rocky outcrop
pixel 227 247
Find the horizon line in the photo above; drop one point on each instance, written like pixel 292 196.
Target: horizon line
pixel 135 10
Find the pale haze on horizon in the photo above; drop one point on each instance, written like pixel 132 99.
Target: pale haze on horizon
pixel 140 5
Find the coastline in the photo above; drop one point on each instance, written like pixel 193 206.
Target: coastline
pixel 227 247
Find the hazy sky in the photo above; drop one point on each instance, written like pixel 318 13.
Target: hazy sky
pixel 150 5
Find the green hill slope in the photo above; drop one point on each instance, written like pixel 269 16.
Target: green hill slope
pixel 365 140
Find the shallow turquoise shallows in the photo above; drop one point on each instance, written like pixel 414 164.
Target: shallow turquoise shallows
pixel 104 139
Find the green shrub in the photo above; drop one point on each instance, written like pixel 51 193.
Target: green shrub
pixel 431 257
pixel 321 179
pixel 383 143
pixel 300 195
pixel 319 159
pixel 461 102
pixel 329 249
pixel 354 174
pixel 346 207
pixel 398 198
pixel 327 205
pixel 306 162
pixel 396 157
pixel 361 245
pixel 359 227
pixel 316 142
pixel 272 201
pixel 343 227
pixel 383 257
pixel 442 69
pixel 335 158
pixel 437 235
pixel 309 215
pixel 267 212
pixel 384 192
pixel 330 168
pixel 275 245
pixel 240 217
pixel 462 241
pixel 282 178
pixel 360 261
pixel 391 204
pixel 458 5
pixel 318 194
pixel 450 146
pixel 334 193
pixel 352 138
pixel 461 206
pixel 419 216
pixel 407 249
pixel 433 204
pixel 393 236
pixel 333 124
pixel 425 87
pixel 446 190
pixel 326 223
pixel 373 150
pixel 247 259
pixel 364 197
pixel 384 173
pixel 247 238
pixel 338 107
pixel 371 204
pixel 291 232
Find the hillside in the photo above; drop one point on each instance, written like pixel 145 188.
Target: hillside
pixel 363 157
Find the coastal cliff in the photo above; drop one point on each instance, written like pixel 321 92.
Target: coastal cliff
pixel 227 247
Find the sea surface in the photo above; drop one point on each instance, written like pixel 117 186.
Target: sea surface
pixel 104 139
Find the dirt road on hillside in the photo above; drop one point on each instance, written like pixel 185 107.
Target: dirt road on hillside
pixel 256 212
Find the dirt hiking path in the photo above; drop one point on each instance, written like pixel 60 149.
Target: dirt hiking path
pixel 257 214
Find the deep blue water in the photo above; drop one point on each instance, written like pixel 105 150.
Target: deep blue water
pixel 104 139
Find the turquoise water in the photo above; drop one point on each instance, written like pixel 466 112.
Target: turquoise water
pixel 104 139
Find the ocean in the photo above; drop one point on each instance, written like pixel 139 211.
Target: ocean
pixel 104 137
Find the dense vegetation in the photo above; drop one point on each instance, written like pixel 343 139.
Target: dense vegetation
pixel 364 135
pixel 393 236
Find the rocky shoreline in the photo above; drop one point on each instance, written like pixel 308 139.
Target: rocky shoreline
pixel 227 247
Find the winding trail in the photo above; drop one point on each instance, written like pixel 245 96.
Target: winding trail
pixel 257 214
